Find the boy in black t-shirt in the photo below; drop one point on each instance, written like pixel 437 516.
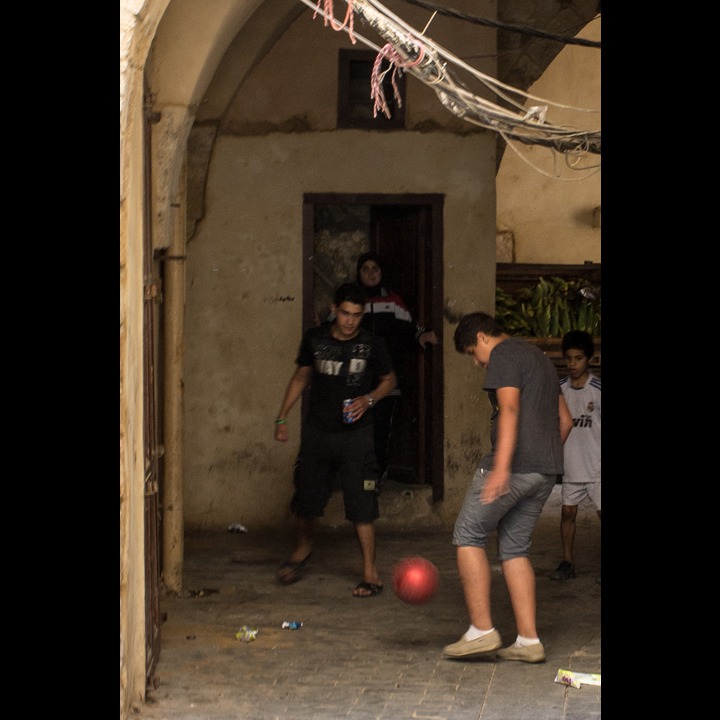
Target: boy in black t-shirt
pixel 340 361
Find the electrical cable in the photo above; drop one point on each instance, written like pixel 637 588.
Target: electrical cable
pixel 414 53
pixel 523 29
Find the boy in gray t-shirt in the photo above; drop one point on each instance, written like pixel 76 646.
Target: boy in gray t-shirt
pixel 529 424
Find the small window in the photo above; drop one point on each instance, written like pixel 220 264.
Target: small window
pixel 355 106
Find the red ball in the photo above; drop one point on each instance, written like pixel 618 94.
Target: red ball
pixel 415 580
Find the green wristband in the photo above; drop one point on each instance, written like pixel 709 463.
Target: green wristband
pixel 280 422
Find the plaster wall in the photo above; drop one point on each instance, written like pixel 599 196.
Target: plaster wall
pixel 294 86
pixel 276 141
pixel 132 575
pixel 229 433
pixel 244 300
pixel 550 212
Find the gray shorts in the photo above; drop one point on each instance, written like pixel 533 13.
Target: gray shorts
pixel 575 493
pixel 514 515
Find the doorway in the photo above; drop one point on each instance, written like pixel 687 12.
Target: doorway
pixel 406 230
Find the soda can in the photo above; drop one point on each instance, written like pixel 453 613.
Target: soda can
pixel 292 624
pixel 347 417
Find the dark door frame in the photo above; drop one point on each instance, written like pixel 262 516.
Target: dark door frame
pixel 433 300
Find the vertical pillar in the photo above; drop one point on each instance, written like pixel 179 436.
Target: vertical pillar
pixel 174 300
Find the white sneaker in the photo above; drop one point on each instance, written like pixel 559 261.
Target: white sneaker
pixel 468 648
pixel 529 654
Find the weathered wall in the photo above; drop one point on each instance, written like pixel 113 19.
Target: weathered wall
pixel 244 268
pixel 188 58
pixel 138 21
pixel 244 261
pixel 552 220
pixel 294 86
pixel 244 297
pixel 132 575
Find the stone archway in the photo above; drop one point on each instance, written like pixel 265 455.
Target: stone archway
pixel 182 46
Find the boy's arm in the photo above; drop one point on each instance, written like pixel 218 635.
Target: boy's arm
pixel 428 336
pixel 298 383
pixel 387 384
pixel 361 404
pixel 498 482
pixel 566 421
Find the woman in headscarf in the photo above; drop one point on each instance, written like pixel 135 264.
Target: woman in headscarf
pixel 387 315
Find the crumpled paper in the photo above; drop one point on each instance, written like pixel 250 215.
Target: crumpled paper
pixel 246 633
pixel 575 679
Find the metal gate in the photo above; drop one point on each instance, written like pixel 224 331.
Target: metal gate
pixel 151 426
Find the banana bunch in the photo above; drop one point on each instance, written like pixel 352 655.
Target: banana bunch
pixel 550 308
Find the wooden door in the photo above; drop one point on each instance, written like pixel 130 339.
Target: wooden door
pixel 394 236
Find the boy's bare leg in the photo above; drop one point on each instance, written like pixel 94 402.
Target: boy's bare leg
pixel 304 532
pixel 474 569
pixel 365 533
pixel 520 580
pixel 568 514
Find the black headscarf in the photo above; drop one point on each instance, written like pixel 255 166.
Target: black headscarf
pixel 361 261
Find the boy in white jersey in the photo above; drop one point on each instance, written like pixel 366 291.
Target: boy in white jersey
pixel 581 477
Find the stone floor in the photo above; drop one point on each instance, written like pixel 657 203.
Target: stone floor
pixel 374 658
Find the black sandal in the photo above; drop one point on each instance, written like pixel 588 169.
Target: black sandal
pixel 372 587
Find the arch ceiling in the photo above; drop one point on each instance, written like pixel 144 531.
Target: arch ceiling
pixel 231 36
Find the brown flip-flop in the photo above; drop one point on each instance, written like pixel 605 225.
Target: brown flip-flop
pixel 291 571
